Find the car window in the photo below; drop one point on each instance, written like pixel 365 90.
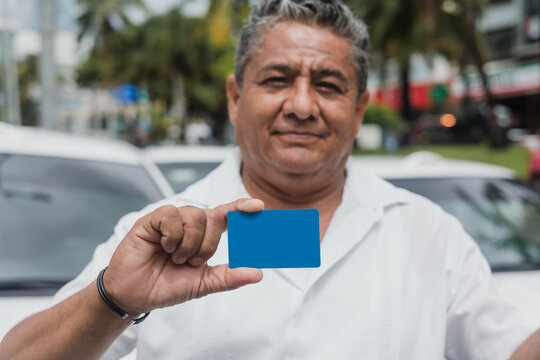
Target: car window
pixel 502 216
pixel 182 174
pixel 54 212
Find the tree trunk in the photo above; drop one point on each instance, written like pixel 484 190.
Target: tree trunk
pixel 218 128
pixel 466 100
pixel 497 138
pixel 178 101
pixel 406 108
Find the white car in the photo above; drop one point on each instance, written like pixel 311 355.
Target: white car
pixel 500 212
pixel 60 196
pixel 183 165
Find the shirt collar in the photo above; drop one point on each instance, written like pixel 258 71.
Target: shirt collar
pixel 369 190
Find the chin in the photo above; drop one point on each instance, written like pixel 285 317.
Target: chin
pixel 298 164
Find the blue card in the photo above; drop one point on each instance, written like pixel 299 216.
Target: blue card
pixel 274 239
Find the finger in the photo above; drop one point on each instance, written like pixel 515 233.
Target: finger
pixel 166 221
pixel 222 278
pixel 194 224
pixel 247 205
pixel 215 223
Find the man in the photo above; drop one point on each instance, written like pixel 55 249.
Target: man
pixel 399 278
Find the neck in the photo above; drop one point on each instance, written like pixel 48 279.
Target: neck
pixel 292 191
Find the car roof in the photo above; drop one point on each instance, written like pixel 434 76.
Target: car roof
pixel 425 164
pixel 25 140
pixel 164 154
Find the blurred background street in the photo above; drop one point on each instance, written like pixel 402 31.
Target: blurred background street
pixel 106 106
pixel 445 72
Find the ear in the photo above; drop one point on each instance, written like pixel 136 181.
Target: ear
pixel 361 106
pixel 233 97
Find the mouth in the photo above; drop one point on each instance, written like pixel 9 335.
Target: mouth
pixel 299 133
pixel 302 137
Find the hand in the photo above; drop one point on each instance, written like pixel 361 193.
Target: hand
pixel 162 260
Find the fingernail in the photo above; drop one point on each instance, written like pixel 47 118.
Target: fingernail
pixel 181 260
pixel 258 203
pixel 196 261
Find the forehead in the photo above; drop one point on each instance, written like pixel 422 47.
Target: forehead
pixel 300 45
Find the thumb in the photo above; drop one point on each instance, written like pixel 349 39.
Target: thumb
pixel 222 278
pixel 247 205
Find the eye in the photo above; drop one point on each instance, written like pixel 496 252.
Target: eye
pixel 275 81
pixel 329 87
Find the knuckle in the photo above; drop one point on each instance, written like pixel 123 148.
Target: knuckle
pixel 206 251
pixel 191 242
pixel 176 232
pixel 194 215
pixel 184 252
pixel 200 215
pixel 166 211
pixel 213 216
pixel 179 257
pixel 141 221
pixel 194 234
pixel 172 236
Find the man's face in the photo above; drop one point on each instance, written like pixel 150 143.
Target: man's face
pixel 298 110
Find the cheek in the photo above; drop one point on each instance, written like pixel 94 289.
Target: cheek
pixel 261 111
pixel 251 127
pixel 341 120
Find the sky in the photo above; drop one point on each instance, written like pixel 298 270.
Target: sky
pixel 23 17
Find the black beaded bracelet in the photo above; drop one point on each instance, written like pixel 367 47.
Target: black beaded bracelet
pixel 111 304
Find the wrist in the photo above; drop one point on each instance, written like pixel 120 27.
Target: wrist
pixel 100 312
pixel 109 301
pixel 109 285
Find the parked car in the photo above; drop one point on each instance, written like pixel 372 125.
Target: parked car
pixel 534 168
pixel 60 196
pixel 183 165
pixel 499 211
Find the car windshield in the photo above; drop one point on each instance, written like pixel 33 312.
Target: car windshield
pixel 182 174
pixel 501 215
pixel 54 212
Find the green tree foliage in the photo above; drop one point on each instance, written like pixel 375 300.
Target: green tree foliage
pixel 175 58
pixel 400 28
pixel 385 117
pixel 101 18
pixel 397 30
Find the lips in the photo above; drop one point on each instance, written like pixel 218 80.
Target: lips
pixel 296 133
pixel 297 137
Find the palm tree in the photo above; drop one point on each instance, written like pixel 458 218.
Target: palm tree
pixel 172 57
pixel 397 30
pixel 470 9
pixel 101 18
pixel 401 28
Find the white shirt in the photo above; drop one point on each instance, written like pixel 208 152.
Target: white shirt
pixel 399 279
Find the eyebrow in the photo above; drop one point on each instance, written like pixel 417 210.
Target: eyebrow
pixel 320 73
pixel 324 72
pixel 284 68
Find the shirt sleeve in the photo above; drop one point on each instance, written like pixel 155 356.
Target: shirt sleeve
pixel 481 324
pixel 102 255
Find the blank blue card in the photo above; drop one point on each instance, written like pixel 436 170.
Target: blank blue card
pixel 274 239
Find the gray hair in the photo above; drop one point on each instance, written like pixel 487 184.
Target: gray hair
pixel 330 14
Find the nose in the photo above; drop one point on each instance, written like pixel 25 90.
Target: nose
pixel 301 102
